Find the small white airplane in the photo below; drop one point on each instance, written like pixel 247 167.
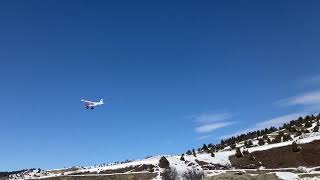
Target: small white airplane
pixel 92 104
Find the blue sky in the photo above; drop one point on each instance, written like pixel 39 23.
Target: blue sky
pixel 177 74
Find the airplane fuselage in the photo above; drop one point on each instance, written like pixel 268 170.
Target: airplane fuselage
pixel 92 104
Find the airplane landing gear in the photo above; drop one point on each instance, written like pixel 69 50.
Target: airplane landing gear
pixel 91 107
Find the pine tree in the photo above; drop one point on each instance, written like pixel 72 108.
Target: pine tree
pixel 194 153
pixel 261 142
pixel 182 157
pixel 295 147
pixel 291 122
pixel 299 133
pixel 316 129
pixel 281 133
pixel 286 126
pixel 308 124
pixel 212 154
pixel 300 120
pixel 245 152
pixel 293 129
pixel 245 143
pixel 286 137
pixel 222 142
pixel 213 149
pixel 258 133
pixel 204 147
pixel 306 131
pixel 307 118
pixel 277 139
pixel 233 146
pixel 238 153
pixel 269 141
pixel 248 144
pixel 163 162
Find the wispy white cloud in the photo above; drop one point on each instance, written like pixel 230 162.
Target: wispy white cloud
pixel 211 117
pixel 208 122
pixel 212 126
pixel 309 98
pixel 279 121
pixel 276 122
pixel 308 101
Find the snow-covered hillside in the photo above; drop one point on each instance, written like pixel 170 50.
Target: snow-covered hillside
pixel 201 161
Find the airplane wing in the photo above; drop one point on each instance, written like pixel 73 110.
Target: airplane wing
pixel 86 101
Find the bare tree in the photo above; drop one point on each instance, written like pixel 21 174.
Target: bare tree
pixel 193 174
pixel 170 174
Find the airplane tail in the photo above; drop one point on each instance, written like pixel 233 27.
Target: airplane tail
pixel 101 101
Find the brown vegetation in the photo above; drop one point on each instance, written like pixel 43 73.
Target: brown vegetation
pixel 281 157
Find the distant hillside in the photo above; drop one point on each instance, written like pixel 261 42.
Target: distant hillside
pixel 6 174
pixel 292 150
pixel 294 128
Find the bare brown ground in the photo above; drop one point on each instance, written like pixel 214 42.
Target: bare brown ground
pixel 281 157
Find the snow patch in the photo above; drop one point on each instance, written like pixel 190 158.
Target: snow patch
pixel 287 175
